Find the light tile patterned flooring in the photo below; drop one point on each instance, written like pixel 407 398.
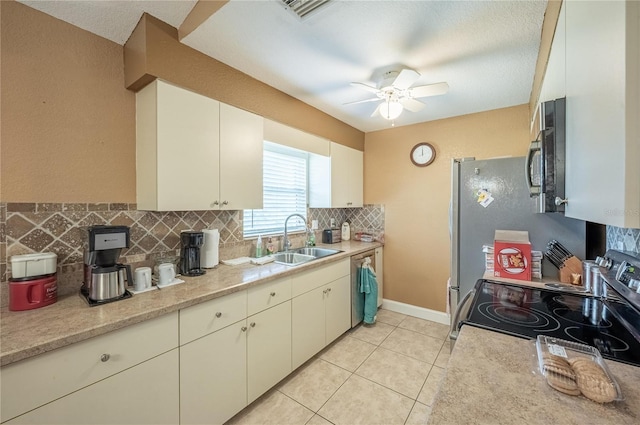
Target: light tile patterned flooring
pixel 385 374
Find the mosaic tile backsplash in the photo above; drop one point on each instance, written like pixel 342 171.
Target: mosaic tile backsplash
pixel 47 227
pixel 623 239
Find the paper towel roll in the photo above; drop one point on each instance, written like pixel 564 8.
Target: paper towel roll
pixel 209 251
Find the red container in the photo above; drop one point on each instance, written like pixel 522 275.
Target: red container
pixel 512 255
pixel 32 292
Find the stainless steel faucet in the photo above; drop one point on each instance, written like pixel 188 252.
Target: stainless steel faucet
pixel 286 244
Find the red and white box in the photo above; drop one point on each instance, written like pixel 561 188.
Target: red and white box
pixel 512 254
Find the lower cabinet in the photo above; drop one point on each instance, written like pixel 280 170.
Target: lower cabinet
pixel 268 349
pixel 319 317
pixel 143 394
pixel 222 372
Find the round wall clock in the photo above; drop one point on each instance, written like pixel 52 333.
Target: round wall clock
pixel 422 154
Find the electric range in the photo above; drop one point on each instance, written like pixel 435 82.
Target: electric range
pixel 612 324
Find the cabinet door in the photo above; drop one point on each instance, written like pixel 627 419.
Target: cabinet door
pixel 241 140
pixel 356 170
pixel 307 325
pixel 144 394
pixel 268 349
pixel 213 377
pixel 337 299
pixel 602 172
pixel 340 175
pixel 177 142
pixel 380 273
pixel 553 85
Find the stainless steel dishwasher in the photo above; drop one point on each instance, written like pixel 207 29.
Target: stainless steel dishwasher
pixel 357 298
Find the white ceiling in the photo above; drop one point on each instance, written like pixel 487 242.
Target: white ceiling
pixel 485 50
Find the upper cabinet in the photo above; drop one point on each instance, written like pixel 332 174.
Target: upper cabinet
pixel 553 85
pixel 603 105
pixel 195 153
pixel 336 181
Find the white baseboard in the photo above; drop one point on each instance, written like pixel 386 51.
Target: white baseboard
pixel 415 311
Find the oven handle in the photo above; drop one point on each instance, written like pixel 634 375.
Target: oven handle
pixel 464 306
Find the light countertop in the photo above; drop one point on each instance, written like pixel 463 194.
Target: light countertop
pixel 493 379
pixel 70 320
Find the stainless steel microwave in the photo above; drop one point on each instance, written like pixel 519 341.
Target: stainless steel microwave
pixel 545 165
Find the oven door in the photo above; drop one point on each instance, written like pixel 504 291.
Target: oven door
pixel 461 314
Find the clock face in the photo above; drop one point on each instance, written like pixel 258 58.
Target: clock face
pixel 422 154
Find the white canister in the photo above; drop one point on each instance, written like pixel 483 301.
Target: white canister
pixel 346 231
pixel 29 265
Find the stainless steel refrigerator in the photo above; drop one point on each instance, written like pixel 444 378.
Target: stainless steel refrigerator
pixel 492 194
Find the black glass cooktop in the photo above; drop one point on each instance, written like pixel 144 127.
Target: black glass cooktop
pixel 529 312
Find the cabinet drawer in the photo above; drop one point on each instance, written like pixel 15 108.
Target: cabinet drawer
pixel 33 382
pixel 202 319
pixel 306 281
pixel 267 295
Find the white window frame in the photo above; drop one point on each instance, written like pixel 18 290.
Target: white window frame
pixel 295 224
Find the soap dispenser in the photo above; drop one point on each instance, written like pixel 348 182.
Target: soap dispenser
pixel 346 231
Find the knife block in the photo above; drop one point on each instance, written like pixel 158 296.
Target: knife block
pixel 570 266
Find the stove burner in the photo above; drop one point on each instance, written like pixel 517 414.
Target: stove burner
pixel 526 317
pixel 579 318
pixel 604 342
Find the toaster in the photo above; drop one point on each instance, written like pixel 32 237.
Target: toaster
pixel 331 236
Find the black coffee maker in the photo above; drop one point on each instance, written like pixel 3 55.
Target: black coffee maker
pixel 190 253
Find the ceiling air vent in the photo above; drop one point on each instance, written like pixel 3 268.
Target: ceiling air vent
pixel 304 8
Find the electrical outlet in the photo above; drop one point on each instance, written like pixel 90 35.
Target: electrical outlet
pixel 332 222
pixel 314 224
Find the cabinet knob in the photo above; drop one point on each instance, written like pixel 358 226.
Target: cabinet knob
pixel 349 203
pixel 216 203
pixel 105 357
pixel 273 294
pixel 218 314
pixel 243 329
pixel 252 324
pixel 225 202
pixel 559 201
pixel 328 289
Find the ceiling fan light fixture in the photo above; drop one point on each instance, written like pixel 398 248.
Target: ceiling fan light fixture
pixel 391 110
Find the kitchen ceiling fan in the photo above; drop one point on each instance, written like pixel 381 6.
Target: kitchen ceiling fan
pixel 396 93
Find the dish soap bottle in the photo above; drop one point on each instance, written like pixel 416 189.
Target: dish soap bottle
pixel 259 247
pixel 346 231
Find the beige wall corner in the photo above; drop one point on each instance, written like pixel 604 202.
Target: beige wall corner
pixel 546 38
pixel 416 200
pixel 68 124
pixel 202 10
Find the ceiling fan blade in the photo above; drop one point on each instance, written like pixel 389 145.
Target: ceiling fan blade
pixel 406 77
pixel 373 99
pixel 429 90
pixel 376 111
pixel 366 87
pixel 412 104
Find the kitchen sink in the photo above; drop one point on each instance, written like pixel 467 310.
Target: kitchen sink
pixel 302 255
pixel 316 252
pixel 292 258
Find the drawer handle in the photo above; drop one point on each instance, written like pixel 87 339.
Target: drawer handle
pixel 252 324
pixel 328 289
pixel 273 294
pixel 105 357
pixel 243 329
pixel 218 314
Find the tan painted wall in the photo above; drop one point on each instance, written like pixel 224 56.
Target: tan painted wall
pixel 417 248
pixel 68 123
pixel 153 50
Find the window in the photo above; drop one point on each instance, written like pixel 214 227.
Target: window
pixel 284 192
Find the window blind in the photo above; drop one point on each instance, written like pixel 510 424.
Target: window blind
pixel 284 192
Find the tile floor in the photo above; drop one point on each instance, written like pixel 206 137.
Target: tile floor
pixel 384 374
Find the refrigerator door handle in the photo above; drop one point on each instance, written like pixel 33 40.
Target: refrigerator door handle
pixel 534 147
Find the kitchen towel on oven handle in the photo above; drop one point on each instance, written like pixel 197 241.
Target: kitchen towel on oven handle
pixel 368 285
